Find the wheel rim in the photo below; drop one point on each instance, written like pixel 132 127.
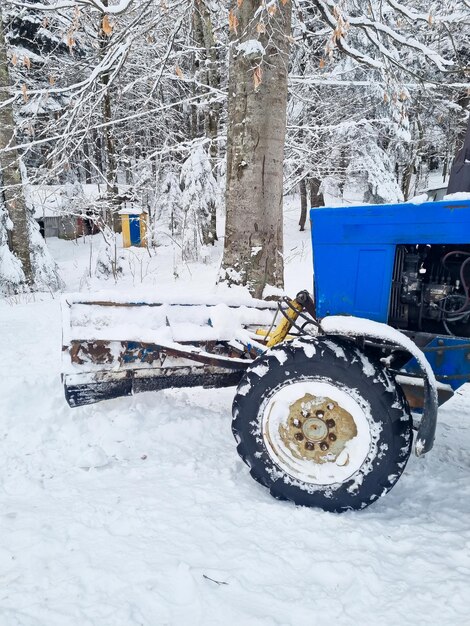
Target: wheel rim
pixel 316 431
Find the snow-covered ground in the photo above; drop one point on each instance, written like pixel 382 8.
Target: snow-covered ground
pixel 138 511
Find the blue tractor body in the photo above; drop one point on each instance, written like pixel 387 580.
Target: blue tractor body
pixel 357 272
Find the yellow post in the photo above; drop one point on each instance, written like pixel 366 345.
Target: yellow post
pixel 126 231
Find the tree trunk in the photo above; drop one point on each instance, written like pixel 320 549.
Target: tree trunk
pixel 303 204
pixel 463 101
pixel 204 36
pixel 87 164
pixel 114 219
pixel 11 190
pixel 316 197
pixel 257 105
pixel 412 166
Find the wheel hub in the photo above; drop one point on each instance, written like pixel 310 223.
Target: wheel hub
pixel 315 429
pixel 318 429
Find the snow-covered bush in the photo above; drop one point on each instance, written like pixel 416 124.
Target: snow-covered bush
pixel 111 260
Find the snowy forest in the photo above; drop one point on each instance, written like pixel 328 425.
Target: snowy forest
pixel 181 108
pixel 234 312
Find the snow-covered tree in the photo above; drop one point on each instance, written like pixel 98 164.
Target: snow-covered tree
pixel 20 231
pixel 168 207
pixel 368 176
pixel 199 199
pixel 120 94
pixel 11 272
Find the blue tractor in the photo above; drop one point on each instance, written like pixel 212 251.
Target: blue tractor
pixel 326 399
pixel 326 419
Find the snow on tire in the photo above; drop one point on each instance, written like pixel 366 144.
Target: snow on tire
pixel 322 425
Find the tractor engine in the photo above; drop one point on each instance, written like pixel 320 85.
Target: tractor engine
pixel 431 289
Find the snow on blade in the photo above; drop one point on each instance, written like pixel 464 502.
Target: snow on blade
pixel 154 322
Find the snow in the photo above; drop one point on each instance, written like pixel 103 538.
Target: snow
pixel 114 513
pixel 131 211
pixel 155 323
pixel 260 369
pixel 251 48
pixel 11 270
pixel 273 292
pixel 309 350
pixel 419 199
pixel 419 382
pixel 136 511
pixel 53 200
pixel 460 195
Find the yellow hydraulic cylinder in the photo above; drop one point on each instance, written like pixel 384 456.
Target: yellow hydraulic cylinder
pixel 282 329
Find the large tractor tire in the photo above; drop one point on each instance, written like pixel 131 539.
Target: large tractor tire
pixel 321 424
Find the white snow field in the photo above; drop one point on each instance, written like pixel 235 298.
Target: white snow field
pixel 138 511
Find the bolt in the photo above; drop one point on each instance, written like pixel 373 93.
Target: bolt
pixel 332 437
pixel 299 436
pixel 309 445
pixel 330 406
pixel 320 414
pixel 296 423
pixel 324 446
pixel 331 423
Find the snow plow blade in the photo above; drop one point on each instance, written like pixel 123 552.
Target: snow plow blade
pixel 114 348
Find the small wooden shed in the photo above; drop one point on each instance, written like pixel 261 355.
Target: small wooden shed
pixel 134 227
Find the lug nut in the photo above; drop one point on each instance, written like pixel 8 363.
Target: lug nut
pixel 296 423
pixel 320 414
pixel 299 436
pixel 324 446
pixel 331 423
pixel 330 406
pixel 332 437
pixel 309 446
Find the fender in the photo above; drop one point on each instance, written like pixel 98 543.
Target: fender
pixel 349 326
